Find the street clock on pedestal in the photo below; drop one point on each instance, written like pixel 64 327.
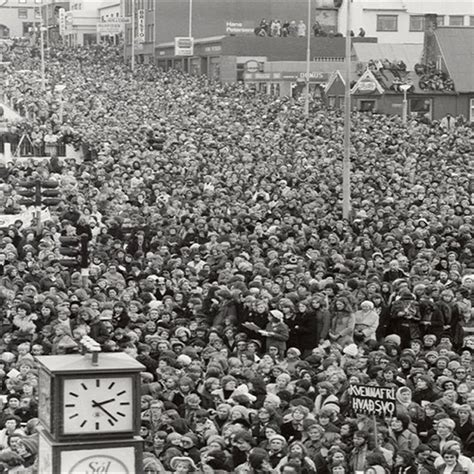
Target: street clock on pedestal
pixel 89 408
pixel 77 398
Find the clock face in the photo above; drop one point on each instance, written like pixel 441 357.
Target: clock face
pixel 98 405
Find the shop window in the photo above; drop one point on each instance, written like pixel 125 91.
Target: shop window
pixel 440 20
pixel 240 71
pixel 471 111
pixel 367 105
pixel 275 89
pixel 387 22
pixel 417 22
pixel 456 20
pixel 23 13
pixel 420 107
pixel 471 20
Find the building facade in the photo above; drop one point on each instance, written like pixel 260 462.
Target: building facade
pixel 143 13
pixel 107 13
pixel 402 21
pixel 18 18
pixel 50 14
pixel 166 19
pixel 81 24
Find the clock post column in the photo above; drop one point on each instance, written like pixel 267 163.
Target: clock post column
pixel 89 409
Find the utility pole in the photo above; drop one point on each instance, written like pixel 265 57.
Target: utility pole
pixel 190 19
pixel 308 59
pixel 346 163
pixel 43 80
pixel 133 35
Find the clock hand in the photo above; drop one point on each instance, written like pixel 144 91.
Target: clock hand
pixel 110 400
pixel 98 405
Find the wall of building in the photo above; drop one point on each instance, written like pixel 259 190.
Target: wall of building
pixel 85 16
pixel 365 13
pixel 16 18
pixel 210 17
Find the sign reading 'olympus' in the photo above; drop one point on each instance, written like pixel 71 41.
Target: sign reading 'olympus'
pixel 372 400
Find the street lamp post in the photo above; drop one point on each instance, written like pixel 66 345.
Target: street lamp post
pixel 346 162
pixel 133 36
pixel 405 88
pixel 308 59
pixel 43 80
pixel 190 19
pixel 59 89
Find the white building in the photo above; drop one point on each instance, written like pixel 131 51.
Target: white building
pixel 18 18
pixel 107 12
pixel 402 21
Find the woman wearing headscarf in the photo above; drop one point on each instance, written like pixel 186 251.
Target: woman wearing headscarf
pixel 366 322
pixel 407 406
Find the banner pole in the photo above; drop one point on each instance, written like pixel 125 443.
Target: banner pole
pixel 375 432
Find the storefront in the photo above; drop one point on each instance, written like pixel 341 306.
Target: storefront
pixel 369 95
pixel 206 58
pixel 286 83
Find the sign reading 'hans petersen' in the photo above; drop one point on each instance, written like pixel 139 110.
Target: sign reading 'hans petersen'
pixel 373 400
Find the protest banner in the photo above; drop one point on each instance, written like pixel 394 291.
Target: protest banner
pixel 373 400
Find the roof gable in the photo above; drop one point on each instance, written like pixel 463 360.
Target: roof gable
pixel 367 83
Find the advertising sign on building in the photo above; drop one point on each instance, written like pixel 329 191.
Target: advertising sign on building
pixel 118 19
pixel 109 28
pixel 373 400
pixel 140 26
pixel 62 21
pixel 183 46
pixel 239 28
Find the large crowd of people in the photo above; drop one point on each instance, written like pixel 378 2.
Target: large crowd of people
pixel 219 259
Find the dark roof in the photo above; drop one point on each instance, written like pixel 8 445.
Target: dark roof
pixel 457 47
pixel 410 54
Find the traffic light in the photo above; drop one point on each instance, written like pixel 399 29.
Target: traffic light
pixel 50 193
pixel 70 248
pixel 31 192
pixel 73 247
pixel 38 193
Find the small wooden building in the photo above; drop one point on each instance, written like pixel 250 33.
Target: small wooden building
pixel 442 83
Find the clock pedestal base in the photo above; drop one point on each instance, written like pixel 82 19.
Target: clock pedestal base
pixel 97 457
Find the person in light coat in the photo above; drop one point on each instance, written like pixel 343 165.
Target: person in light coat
pixel 366 322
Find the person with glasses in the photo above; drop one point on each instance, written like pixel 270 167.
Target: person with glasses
pixel 460 374
pixel 450 463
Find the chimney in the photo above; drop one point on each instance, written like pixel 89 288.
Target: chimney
pixel 430 50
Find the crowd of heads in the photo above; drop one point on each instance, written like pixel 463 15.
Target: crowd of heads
pixel 219 259
pixel 432 78
pixel 281 29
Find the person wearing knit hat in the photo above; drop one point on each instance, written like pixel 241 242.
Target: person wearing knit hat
pixel 216 442
pixel 394 338
pixel 183 464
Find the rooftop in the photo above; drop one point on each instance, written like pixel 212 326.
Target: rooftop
pixel 457 47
